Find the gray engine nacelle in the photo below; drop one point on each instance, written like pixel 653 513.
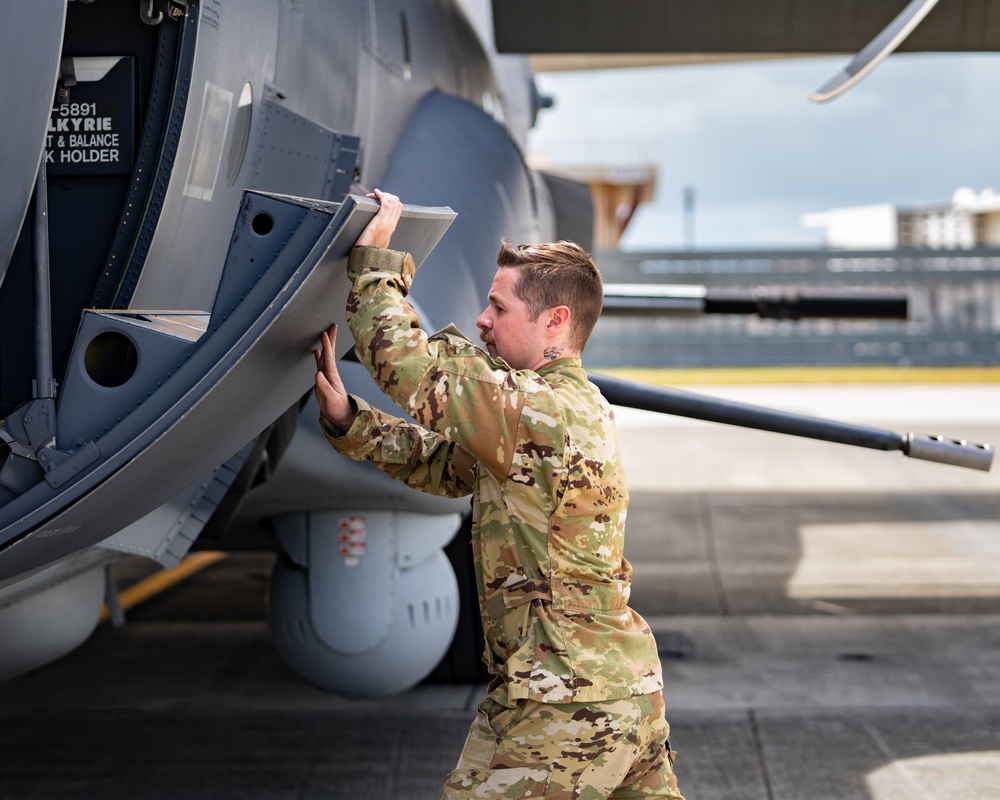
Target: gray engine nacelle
pixel 366 602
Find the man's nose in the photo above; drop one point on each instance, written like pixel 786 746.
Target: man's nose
pixel 483 321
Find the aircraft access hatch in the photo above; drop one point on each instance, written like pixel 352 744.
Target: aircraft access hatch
pixel 182 393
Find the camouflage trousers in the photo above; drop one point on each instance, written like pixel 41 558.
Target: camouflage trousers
pixel 566 751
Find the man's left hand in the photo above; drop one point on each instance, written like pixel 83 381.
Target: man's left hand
pixel 379 230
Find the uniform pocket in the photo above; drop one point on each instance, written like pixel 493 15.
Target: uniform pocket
pixel 496 784
pixel 553 671
pixel 510 644
pixel 503 718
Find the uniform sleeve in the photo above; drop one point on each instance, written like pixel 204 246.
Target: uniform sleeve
pixel 417 457
pixel 444 382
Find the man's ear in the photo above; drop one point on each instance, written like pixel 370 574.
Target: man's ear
pixel 558 319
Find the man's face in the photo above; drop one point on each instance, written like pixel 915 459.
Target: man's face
pixel 507 327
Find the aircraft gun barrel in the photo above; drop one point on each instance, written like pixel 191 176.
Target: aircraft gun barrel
pixel 809 303
pixel 667 400
pixel 959 452
pixel 764 302
pixel 646 300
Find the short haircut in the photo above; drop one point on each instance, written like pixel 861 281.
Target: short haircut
pixel 557 274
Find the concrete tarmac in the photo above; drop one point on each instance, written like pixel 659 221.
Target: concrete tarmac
pixel 828 619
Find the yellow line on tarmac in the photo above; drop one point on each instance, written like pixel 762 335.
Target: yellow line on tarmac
pixel 163 580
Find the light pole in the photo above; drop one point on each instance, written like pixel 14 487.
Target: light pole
pixel 688 217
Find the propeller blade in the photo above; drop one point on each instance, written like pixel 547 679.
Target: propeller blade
pixel 875 51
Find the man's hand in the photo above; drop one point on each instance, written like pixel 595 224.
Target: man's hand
pixel 378 231
pixel 334 403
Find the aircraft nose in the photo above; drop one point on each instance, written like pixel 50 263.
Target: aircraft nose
pixel 30 43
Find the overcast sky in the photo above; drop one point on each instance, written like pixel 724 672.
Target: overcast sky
pixel 758 153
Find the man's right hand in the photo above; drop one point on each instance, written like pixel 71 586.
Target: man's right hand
pixel 334 402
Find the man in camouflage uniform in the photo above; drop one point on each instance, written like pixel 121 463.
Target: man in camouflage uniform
pixel 575 709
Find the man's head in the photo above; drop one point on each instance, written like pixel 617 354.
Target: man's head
pixel 544 303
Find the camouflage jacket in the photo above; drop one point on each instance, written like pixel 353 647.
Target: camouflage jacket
pixel 539 453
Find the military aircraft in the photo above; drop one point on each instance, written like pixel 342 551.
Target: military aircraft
pixel 184 179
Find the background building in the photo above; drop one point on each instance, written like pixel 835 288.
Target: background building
pixel 969 220
pixel 945 257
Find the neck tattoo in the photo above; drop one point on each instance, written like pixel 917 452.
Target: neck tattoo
pixel 552 352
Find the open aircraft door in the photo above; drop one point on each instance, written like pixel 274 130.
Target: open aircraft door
pixel 140 416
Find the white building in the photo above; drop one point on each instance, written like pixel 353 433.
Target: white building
pixel 969 220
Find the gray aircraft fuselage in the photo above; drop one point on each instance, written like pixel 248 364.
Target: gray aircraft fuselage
pixel 161 293
pixel 148 159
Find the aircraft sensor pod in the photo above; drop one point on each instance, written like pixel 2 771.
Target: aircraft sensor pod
pixel 365 603
pixel 49 615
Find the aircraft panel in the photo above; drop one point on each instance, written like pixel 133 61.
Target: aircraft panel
pixel 233 47
pixel 30 41
pixel 176 437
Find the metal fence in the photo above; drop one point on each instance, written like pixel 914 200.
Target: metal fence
pixel 954 309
